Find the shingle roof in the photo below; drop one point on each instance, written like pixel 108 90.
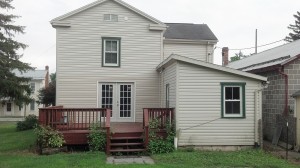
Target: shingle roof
pixel 189 31
pixel 273 56
pixel 36 74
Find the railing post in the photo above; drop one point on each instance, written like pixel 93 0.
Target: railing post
pixel 146 127
pixel 107 126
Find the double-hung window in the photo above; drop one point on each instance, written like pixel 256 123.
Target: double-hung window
pixel 111 52
pixel 32 87
pixel 233 100
pixel 8 107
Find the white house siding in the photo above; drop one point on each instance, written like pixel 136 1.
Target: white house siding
pixel 199 93
pixel 25 111
pixel 196 51
pixel 79 54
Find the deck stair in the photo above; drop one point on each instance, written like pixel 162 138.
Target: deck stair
pixel 126 138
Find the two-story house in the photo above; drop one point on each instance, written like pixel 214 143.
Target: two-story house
pixel 39 80
pixel 112 55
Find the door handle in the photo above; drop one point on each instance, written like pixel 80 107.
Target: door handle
pixel 117 103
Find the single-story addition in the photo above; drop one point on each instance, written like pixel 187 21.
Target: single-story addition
pixel 216 107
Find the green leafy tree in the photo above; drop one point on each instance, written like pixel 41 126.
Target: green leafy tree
pixel 295 28
pixel 238 56
pixel 46 96
pixel 12 87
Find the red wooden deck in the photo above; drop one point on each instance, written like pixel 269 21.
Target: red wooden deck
pixel 75 124
pixel 79 136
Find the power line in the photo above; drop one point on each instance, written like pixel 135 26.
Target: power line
pixel 48 49
pixel 257 46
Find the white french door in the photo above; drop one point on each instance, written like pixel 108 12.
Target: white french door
pixel 119 98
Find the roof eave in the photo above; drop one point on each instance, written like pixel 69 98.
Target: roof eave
pixel 188 41
pixel 56 24
pixel 209 65
pixel 265 69
pixel 102 1
pixel 291 60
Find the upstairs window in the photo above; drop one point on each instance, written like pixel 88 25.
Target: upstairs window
pixel 233 100
pixel 110 17
pixel 32 87
pixel 111 52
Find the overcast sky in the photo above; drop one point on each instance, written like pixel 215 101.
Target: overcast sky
pixel 232 21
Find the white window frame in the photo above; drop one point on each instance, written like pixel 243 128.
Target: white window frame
pixel 115 52
pixel 241 99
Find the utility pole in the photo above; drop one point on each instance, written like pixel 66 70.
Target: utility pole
pixel 255 41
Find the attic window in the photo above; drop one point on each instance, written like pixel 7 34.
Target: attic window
pixel 110 17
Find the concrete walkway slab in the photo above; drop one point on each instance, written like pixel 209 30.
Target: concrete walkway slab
pixel 129 160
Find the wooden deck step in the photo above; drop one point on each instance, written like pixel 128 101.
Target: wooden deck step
pixel 122 138
pixel 127 150
pixel 126 144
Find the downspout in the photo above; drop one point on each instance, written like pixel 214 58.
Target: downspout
pixel 280 70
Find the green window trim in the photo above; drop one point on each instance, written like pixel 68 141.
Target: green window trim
pixel 243 99
pixel 118 64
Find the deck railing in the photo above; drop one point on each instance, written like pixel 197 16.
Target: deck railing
pixel 74 118
pixel 162 117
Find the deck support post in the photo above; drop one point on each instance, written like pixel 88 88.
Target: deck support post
pixel 107 126
pixel 146 127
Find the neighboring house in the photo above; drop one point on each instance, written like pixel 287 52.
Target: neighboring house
pixel 282 67
pixel 112 55
pixel 39 79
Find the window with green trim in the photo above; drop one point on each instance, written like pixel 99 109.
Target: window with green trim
pixel 111 52
pixel 233 100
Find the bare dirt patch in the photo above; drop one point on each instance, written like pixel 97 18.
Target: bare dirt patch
pixel 280 152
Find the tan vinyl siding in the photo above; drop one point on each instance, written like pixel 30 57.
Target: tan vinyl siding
pixel 196 51
pixel 169 77
pixel 199 96
pixel 79 54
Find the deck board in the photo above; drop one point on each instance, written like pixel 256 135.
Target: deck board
pixel 126 127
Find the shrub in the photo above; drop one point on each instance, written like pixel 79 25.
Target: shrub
pixel 160 145
pixel 30 122
pixel 47 137
pixel 96 139
pixel 157 144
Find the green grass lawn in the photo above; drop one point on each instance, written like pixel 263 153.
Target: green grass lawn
pixel 14 153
